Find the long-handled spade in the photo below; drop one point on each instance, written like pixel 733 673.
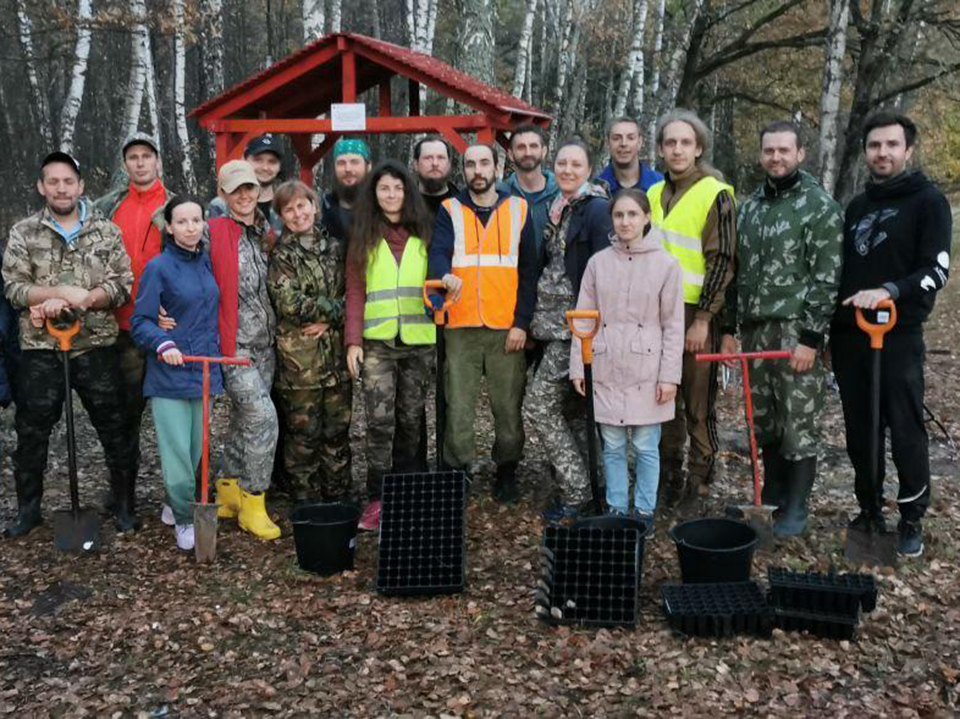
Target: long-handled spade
pixel 872 544
pixel 586 352
pixel 74 529
pixel 439 319
pixel 758 515
pixel 205 512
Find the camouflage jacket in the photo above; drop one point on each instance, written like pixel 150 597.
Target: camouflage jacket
pixel 37 255
pixel 789 245
pixel 307 281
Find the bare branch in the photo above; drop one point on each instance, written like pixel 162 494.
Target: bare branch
pixel 719 60
pixel 916 84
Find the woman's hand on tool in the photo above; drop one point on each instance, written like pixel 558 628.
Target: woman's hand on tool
pixel 315 329
pixel 803 358
pixel 696 338
pixel 580 387
pixel 868 299
pixel 666 392
pixel 165 321
pixel 729 346
pixel 354 360
pixel 453 285
pixel 172 356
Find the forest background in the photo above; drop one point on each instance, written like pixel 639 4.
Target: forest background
pixel 83 74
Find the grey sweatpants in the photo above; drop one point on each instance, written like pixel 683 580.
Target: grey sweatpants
pixel 252 435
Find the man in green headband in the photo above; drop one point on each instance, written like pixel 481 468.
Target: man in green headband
pixel 351 163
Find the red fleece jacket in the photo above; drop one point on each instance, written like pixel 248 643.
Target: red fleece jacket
pixel 141 238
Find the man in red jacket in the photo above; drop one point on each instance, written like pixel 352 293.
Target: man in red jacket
pixel 137 210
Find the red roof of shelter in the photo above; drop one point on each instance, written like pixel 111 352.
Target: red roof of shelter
pixel 311 81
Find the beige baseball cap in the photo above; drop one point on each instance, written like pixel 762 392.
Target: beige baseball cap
pixel 234 174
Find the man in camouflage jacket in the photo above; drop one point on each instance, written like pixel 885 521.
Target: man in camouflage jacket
pixel 68 256
pixel 789 241
pixel 307 283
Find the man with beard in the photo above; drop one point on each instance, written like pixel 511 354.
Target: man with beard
pixel 538 186
pixel 68 256
pixel 265 155
pixel 789 237
pixel 351 163
pixel 484 250
pixel 896 245
pixel 625 170
pixel 431 162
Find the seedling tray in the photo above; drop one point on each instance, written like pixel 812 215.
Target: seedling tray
pixel 717 610
pixel 825 625
pixel 832 593
pixel 590 576
pixel 422 534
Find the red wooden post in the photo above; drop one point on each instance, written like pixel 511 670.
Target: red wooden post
pixel 301 146
pixel 485 135
pixel 349 63
pixel 386 107
pixel 454 138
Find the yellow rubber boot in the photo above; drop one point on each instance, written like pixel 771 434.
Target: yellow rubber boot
pixel 228 497
pixel 254 518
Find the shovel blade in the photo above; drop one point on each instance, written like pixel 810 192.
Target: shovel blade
pixel 77 532
pixel 205 532
pixel 872 548
pixel 760 518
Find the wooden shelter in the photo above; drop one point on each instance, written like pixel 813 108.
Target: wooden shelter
pixel 294 97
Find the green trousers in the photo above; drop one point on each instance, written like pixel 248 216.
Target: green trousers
pixel 179 424
pixel 471 353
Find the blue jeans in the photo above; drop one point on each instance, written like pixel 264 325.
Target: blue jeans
pixel 646 441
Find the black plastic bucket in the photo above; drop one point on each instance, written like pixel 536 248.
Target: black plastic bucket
pixel 325 536
pixel 715 550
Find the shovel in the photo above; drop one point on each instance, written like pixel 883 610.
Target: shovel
pixel 205 513
pixel 874 545
pixel 74 529
pixel 757 515
pixel 586 352
pixel 439 319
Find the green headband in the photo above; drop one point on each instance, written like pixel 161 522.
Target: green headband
pixel 351 147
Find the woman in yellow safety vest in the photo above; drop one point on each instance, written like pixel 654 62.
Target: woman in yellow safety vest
pixel 388 334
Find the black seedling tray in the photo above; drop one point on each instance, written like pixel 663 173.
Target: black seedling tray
pixel 832 593
pixel 422 534
pixel 825 625
pixel 717 610
pixel 590 576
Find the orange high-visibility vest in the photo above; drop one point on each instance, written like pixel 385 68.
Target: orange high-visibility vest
pixel 486 258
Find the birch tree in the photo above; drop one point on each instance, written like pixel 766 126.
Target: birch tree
pixel 336 15
pixel 139 48
pixel 476 41
pixel 653 92
pixel 678 57
pixel 525 48
pixel 38 96
pixel 566 49
pixel 836 49
pixel 78 76
pixel 634 58
pixel 179 95
pixel 213 46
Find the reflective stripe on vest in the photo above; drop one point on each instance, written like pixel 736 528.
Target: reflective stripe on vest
pixel 683 229
pixel 486 258
pixel 394 301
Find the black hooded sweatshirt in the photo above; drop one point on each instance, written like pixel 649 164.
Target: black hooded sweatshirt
pixel 896 235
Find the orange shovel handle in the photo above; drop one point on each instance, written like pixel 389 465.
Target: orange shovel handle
pixel 438 315
pixel 585 336
pixel 65 335
pixel 879 329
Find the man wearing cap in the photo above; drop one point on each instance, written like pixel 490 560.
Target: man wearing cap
pixel 138 211
pixel 265 155
pixel 239 242
pixel 351 163
pixel 68 256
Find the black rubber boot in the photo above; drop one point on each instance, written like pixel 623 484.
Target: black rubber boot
pixel 670 489
pixel 29 496
pixel 123 486
pixel 800 477
pixel 506 490
pixel 775 469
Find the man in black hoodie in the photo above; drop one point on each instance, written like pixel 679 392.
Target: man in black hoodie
pixel 896 245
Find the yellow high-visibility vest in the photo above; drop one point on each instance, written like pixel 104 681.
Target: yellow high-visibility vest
pixel 394 302
pixel 683 229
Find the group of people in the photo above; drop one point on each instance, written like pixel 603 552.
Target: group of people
pixel 318 292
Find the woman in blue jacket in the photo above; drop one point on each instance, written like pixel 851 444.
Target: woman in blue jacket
pixel 179 279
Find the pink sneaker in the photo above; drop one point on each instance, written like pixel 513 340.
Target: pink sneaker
pixel 370 519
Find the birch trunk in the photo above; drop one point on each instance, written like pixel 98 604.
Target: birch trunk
pixel 375 18
pixel 431 26
pixel 678 57
pixel 314 20
pixel 213 46
pixel 836 48
pixel 634 57
pixel 138 69
pixel 475 39
pixel 38 95
pixel 653 93
pixel 564 54
pixel 179 96
pixel 153 104
pixel 524 49
pixel 78 77
pixel 336 15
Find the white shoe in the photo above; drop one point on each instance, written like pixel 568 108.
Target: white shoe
pixel 185 538
pixel 166 515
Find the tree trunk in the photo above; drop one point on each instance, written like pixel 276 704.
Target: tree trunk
pixel 78 76
pixel 336 15
pixel 565 54
pixel 139 46
pixel 179 96
pixel 314 20
pixel 375 18
pixel 153 101
pixel 634 57
pixel 476 39
pixel 39 105
pixel 680 81
pixel 653 93
pixel 836 49
pixel 213 47
pixel 524 49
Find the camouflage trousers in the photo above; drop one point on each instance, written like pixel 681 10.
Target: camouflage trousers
pixel 395 381
pixel 252 434
pixel 786 404
pixel 316 441
pixel 553 408
pixel 133 366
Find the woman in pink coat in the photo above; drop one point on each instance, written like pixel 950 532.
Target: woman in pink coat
pixel 637 353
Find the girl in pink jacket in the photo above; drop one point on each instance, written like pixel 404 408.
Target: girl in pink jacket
pixel 637 353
